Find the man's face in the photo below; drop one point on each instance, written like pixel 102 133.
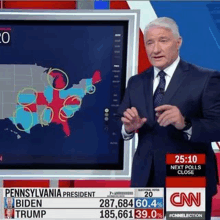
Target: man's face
pixel 9 201
pixel 9 212
pixel 161 46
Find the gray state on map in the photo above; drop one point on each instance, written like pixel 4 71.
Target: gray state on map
pixel 82 84
pixel 14 78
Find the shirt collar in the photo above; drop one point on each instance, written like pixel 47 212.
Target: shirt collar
pixel 169 70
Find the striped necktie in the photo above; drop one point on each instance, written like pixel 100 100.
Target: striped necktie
pixel 160 91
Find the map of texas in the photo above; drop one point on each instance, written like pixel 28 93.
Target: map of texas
pixel 32 95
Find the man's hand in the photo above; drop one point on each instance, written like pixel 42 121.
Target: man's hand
pixel 132 120
pixel 169 114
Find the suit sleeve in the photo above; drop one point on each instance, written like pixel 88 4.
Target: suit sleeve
pixel 207 129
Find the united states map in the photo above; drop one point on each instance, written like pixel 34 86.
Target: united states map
pixel 32 95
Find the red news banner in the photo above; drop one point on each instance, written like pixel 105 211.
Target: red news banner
pixel 185 186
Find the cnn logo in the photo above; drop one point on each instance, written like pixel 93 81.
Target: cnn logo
pixel 185 199
pixel 181 199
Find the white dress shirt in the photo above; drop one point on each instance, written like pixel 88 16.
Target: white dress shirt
pixel 169 74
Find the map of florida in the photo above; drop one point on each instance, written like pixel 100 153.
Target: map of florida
pixel 39 96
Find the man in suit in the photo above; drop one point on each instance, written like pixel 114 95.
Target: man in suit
pixel 9 213
pixel 176 108
pixel 10 203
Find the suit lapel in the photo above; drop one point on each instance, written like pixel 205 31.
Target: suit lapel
pixel 148 92
pixel 178 77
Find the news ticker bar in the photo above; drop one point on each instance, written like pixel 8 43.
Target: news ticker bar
pixel 81 203
pixel 102 203
pixel 185 197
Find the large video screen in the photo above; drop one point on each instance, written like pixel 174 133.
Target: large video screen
pixel 60 84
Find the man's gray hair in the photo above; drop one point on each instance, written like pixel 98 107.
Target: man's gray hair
pixel 165 23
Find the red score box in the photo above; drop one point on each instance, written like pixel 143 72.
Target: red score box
pixel 149 214
pixel 185 159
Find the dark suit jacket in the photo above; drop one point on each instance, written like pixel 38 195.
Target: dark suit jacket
pixel 196 92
